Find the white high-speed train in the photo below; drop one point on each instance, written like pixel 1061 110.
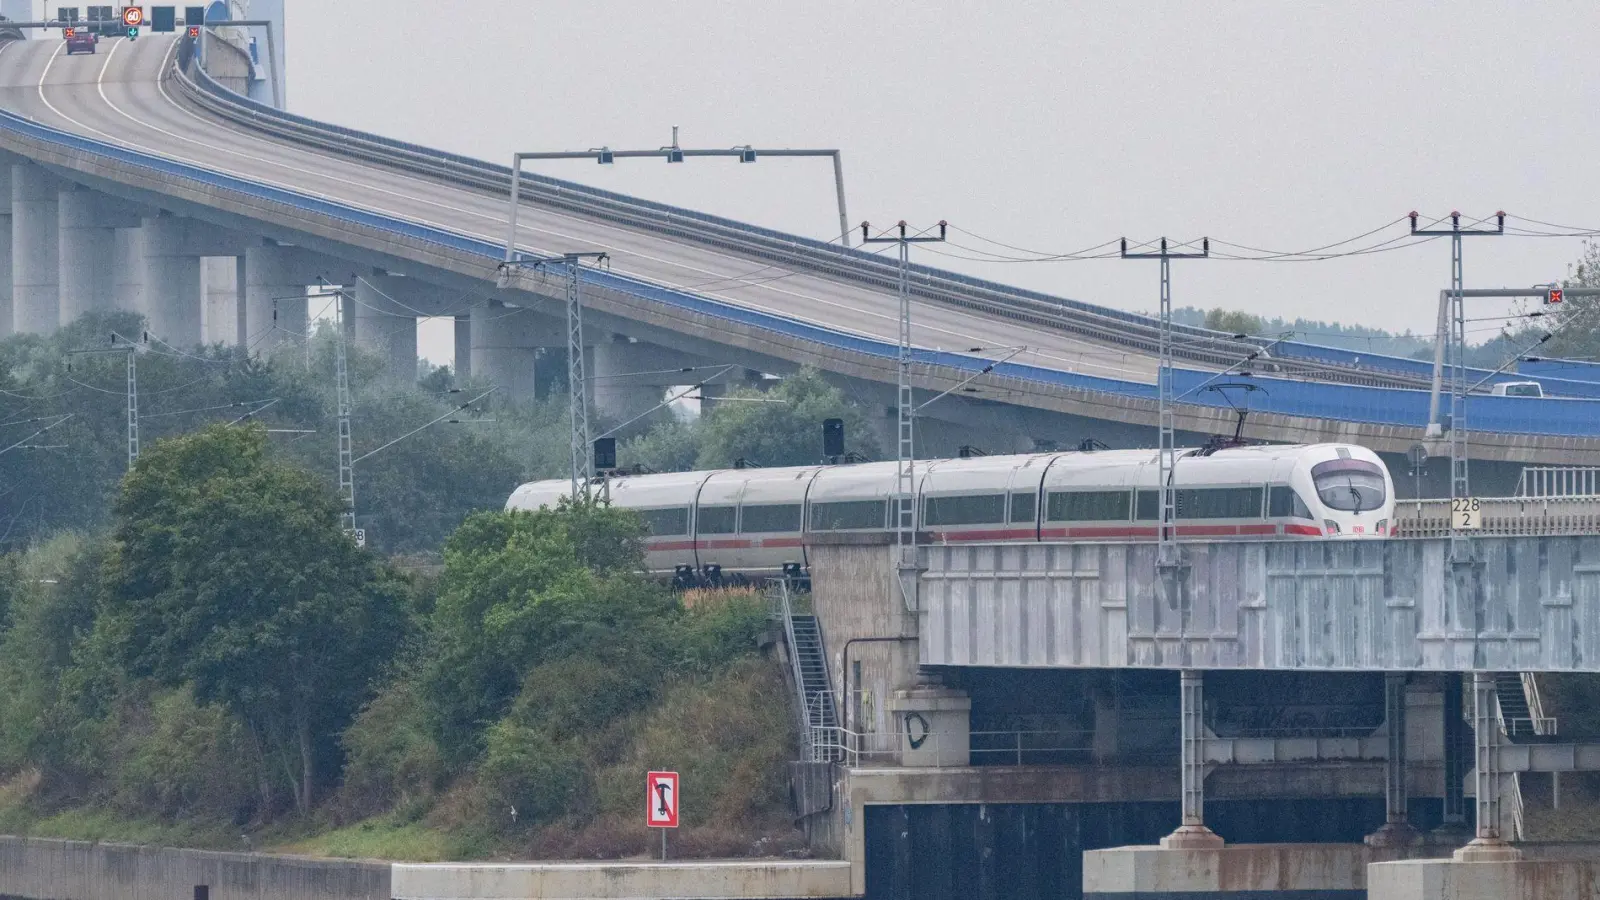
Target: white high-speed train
pixel 752 522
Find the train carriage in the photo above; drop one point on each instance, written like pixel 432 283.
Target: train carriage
pixel 753 522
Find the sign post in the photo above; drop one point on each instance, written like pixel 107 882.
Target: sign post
pixel 661 804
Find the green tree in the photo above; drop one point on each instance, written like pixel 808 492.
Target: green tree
pixel 230 573
pixel 784 431
pixel 1233 321
pixel 523 588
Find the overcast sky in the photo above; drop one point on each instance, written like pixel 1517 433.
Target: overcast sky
pixel 1047 125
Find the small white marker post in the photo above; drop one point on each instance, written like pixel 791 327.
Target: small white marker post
pixel 661 804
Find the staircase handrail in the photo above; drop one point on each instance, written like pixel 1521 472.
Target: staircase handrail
pixel 1542 724
pixel 802 705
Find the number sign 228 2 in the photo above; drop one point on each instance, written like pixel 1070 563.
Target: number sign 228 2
pixel 1465 513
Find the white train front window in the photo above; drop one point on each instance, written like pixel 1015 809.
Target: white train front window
pixel 1349 485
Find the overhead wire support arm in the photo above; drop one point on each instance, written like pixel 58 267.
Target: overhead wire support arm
pixel 1167 549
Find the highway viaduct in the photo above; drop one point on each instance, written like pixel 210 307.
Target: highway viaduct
pixel 136 181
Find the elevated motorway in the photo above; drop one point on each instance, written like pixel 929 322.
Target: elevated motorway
pixel 201 173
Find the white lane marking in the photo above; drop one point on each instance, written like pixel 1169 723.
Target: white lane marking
pixel 737 302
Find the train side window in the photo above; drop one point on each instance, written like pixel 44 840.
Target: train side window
pixel 666 521
pixel 1284 503
pixel 1087 506
pixel 1024 508
pixel 770 518
pixel 1148 507
pixel 1219 503
pixel 982 509
pixel 716 519
pixel 848 514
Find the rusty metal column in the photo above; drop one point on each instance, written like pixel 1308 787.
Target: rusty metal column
pixel 1488 844
pixel 1396 830
pixel 1193 833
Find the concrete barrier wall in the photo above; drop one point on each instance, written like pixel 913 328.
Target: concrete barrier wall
pixel 38 869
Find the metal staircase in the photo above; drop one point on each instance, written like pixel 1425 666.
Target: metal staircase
pixel 808 660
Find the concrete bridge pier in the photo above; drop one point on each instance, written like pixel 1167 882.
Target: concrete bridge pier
pixel 388 327
pixel 629 376
pixel 128 253
pixel 173 249
pixel 275 303
pixel 88 221
pixel 35 250
pixel 5 250
pixel 505 341
pixel 223 313
pixel 462 365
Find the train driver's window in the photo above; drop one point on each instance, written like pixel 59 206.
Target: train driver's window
pixel 1284 503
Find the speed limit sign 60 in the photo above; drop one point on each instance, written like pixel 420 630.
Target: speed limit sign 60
pixel 133 16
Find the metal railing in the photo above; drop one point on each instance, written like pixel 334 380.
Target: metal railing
pixel 1543 725
pixel 783 608
pixel 1508 516
pixel 1547 482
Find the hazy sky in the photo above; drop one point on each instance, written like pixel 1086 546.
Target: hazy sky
pixel 1048 125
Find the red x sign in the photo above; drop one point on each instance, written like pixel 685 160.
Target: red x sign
pixel 1554 296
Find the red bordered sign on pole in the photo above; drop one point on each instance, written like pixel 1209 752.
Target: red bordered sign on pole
pixel 133 16
pixel 661 810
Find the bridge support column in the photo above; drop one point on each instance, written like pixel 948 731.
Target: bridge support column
pixel 274 298
pixel 172 282
pixel 223 322
pixel 462 365
pixel 128 252
pixel 505 341
pixel 5 251
pixel 387 328
pixel 629 377
pixel 1453 824
pixel 35 250
pixel 88 221
pixel 1193 834
pixel 1396 830
pixel 1489 844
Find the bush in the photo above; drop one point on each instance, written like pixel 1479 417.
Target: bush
pixel 178 759
pixel 524 769
pixel 729 737
pixel 392 759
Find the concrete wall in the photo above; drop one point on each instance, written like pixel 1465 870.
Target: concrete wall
pixel 1264 871
pixel 755 879
pixel 74 870
pixel 1443 879
pixel 855 595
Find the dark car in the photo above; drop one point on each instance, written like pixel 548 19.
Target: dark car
pixel 81 39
